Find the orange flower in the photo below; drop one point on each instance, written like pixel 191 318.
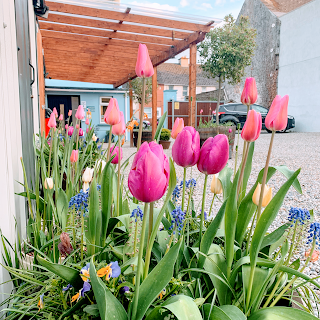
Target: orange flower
pixel 106 271
pixel 315 255
pixel 76 297
pixel 145 116
pixel 162 294
pixel 135 122
pixel 123 141
pixel 85 275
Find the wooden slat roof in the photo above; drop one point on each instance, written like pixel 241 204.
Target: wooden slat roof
pixel 92 43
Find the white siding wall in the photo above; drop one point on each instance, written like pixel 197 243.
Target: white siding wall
pixel 299 71
pixel 10 133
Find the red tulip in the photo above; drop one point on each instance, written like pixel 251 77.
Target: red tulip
pixel 52 121
pixel 186 148
pixel 144 67
pixel 177 128
pixel 80 113
pixel 252 127
pixel 112 114
pixel 214 154
pixel 120 128
pixel 249 94
pixel 74 156
pixel 149 175
pixel 115 151
pixel 277 117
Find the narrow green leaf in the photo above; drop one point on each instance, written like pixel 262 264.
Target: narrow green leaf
pixel 247 171
pixel 109 306
pixel 159 127
pixel 225 312
pixel 281 313
pixel 274 236
pixel 62 208
pixel 225 179
pixel 156 280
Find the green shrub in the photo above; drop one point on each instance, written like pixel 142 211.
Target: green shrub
pixel 165 134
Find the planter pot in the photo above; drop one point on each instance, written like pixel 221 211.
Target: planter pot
pixel 146 136
pixel 27 261
pixel 205 133
pixel 165 144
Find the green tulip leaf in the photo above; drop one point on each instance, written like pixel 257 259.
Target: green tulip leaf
pixel 225 179
pixel 225 312
pixel 159 127
pixel 281 313
pixel 62 208
pixel 157 280
pixel 109 306
pixel 274 236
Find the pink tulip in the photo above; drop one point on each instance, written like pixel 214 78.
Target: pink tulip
pixel 52 121
pixel 214 154
pixel 252 127
pixel 80 112
pixel 115 151
pixel 69 113
pixel 249 94
pixel 70 131
pixel 112 114
pixel 61 117
pixel 120 128
pixel 177 128
pixel 66 126
pixel 149 175
pixel 87 121
pixel 74 156
pixel 201 111
pixel 277 117
pixel 186 148
pixel 144 67
pixel 80 132
pixel 230 130
pixel 88 129
pixel 55 112
pixel 77 126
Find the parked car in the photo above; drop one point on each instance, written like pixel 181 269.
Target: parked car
pixel 146 123
pixel 237 113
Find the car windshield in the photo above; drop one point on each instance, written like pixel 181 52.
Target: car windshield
pixel 259 108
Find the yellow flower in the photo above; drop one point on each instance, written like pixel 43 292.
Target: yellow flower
pixel 216 186
pixel 41 303
pixel 76 297
pixel 162 294
pixel 106 271
pixel 267 195
pixel 85 275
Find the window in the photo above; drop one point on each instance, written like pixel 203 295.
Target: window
pixel 148 111
pixel 204 89
pixel 241 108
pixel 170 87
pixel 260 109
pixel 229 107
pixel 185 91
pixel 104 102
pixel 158 112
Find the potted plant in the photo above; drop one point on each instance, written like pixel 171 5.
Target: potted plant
pixel 165 138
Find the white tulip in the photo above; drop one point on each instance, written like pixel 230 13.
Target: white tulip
pixel 48 183
pixel 94 138
pixel 101 163
pixel 87 175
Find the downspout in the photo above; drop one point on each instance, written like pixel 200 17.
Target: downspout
pixel 125 110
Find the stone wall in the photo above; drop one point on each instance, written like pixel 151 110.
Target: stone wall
pixel 265 62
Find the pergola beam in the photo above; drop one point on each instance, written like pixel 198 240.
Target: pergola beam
pixel 154 102
pixel 192 85
pixel 115 15
pixel 101 24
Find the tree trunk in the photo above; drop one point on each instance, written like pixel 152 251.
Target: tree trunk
pixel 218 102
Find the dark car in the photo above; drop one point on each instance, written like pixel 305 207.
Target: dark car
pixel 237 113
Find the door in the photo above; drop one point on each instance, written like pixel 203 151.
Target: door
pixel 62 103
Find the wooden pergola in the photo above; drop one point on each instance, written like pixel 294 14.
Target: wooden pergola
pixel 92 44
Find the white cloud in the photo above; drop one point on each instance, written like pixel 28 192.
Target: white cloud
pixel 155 5
pixel 184 3
pixel 220 2
pixel 206 5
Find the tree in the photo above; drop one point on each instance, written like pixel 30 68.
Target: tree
pixel 226 51
pixel 137 90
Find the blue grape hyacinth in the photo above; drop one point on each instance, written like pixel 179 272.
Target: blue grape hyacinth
pixel 137 214
pixel 314 233
pixel 177 221
pixel 298 215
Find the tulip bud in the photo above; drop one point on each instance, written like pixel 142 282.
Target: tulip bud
pixel 88 129
pixel 186 148
pixel 61 117
pixel 144 67
pixel 267 195
pixel 249 94
pixel 115 151
pixel 55 112
pixel 77 126
pixel 80 132
pixel 66 126
pixel 216 186
pixel 99 163
pixel 120 128
pixel 149 175
pixel 48 183
pixel 65 246
pixel 52 121
pixel 69 113
pixel 94 138
pixel 214 154
pixel 87 121
pixel 70 131
pixel 87 178
pixel 201 111
pixel 112 114
pixel 252 127
pixel 177 128
pixel 80 113
pixel 277 117
pixel 74 156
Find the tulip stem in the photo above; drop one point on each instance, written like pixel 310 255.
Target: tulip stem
pixel 202 209
pixel 109 144
pixel 250 233
pixel 214 196
pixel 237 147
pixel 264 178
pixel 184 187
pixel 150 223
pixel 243 165
pixel 140 263
pixel 49 163
pixel 141 112
pixel 82 231
pixel 118 187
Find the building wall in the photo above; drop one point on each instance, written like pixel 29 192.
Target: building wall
pixel 299 73
pixel 179 89
pixel 264 66
pixel 168 95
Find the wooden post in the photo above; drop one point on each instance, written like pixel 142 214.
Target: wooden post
pixel 192 85
pixel 154 102
pixel 131 111
pixel 41 81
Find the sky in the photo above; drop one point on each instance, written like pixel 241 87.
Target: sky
pixel 205 8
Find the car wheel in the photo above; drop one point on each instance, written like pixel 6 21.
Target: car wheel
pixel 145 126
